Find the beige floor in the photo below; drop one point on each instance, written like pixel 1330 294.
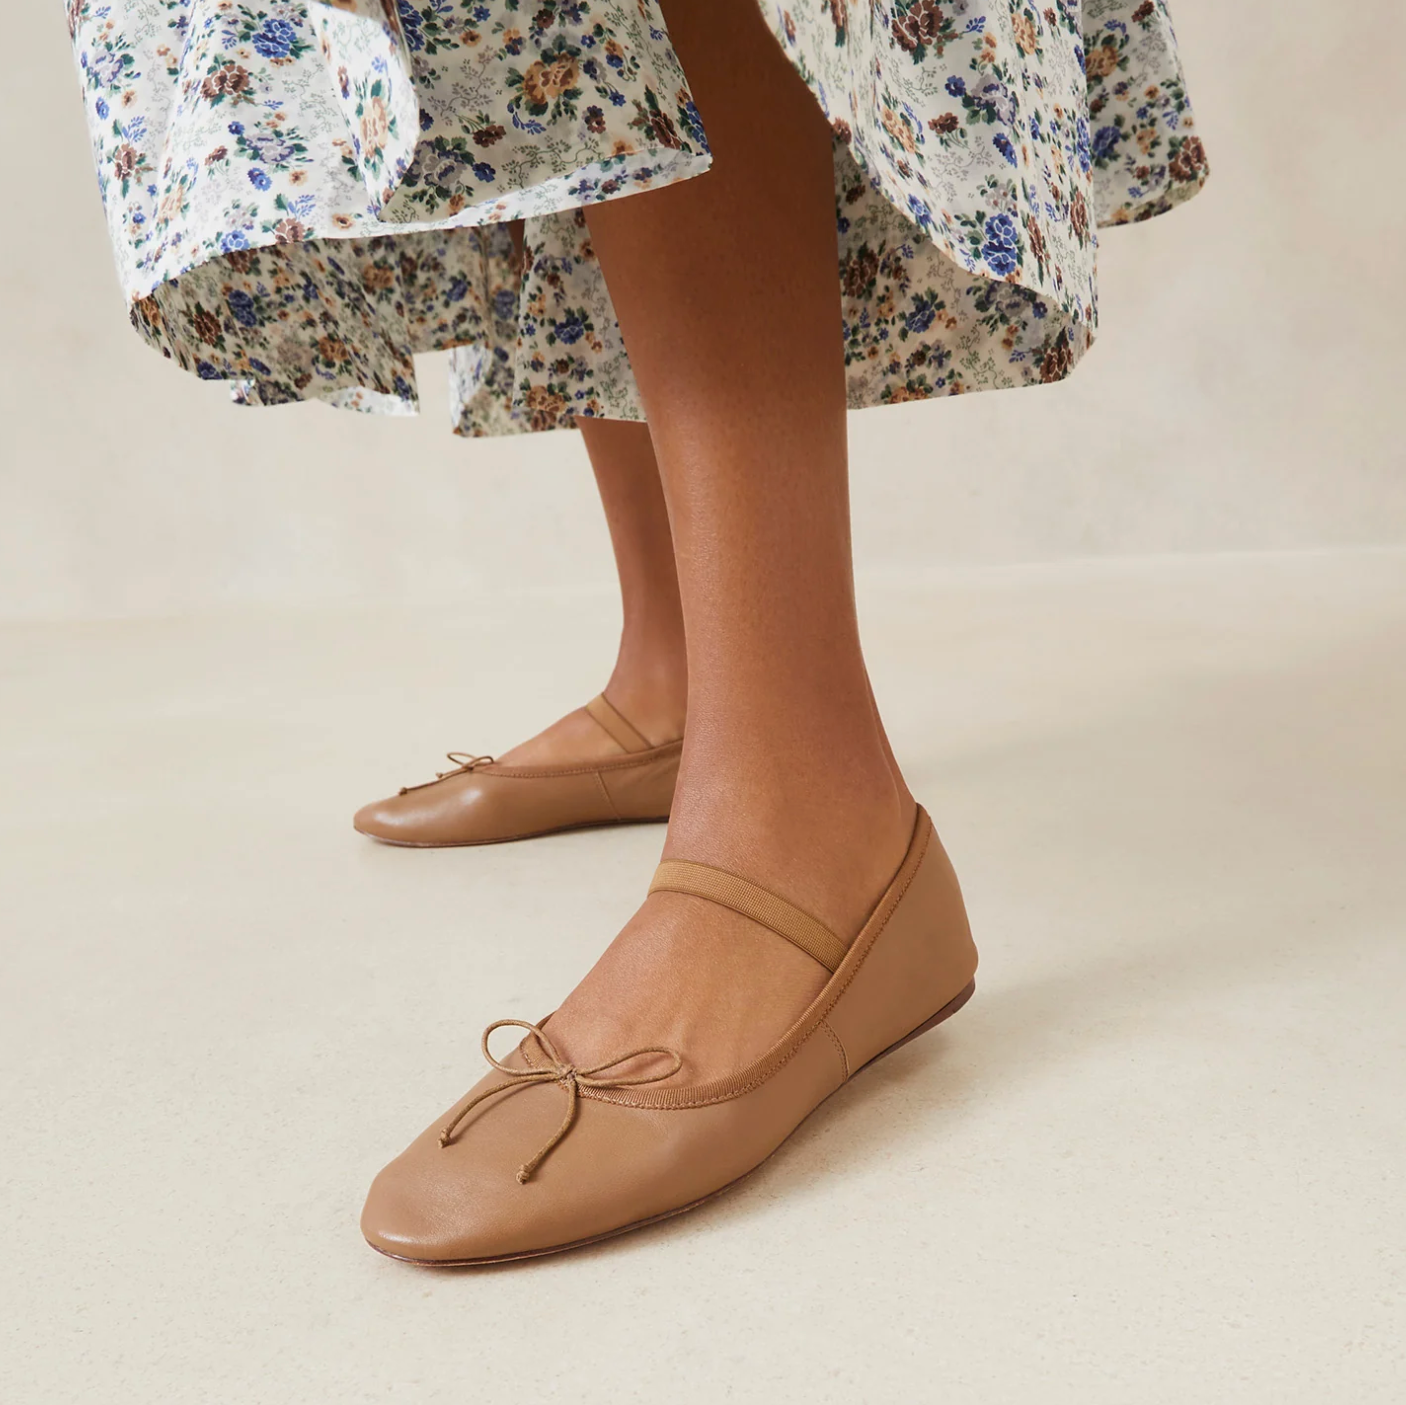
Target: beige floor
pixel 1158 1159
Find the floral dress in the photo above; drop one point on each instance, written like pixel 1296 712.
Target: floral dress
pixel 302 194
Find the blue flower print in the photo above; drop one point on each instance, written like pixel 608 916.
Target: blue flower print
pixel 272 148
pixel 1002 247
pixel 412 25
pixel 971 180
pixel 106 69
pixel 570 329
pixel 1081 146
pixel 1106 141
pixel 997 102
pixel 276 38
pixel 693 124
pixel 921 318
pixel 918 209
pixel 242 308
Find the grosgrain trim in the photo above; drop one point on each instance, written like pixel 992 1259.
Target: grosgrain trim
pixel 736 1085
pixel 785 919
pixel 619 728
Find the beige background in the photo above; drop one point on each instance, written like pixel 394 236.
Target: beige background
pixel 1243 394
pixel 1157 1160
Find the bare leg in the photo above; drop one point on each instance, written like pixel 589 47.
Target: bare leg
pixel 649 683
pixel 726 289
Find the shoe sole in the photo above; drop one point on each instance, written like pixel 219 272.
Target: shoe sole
pixel 945 1013
pixel 507 838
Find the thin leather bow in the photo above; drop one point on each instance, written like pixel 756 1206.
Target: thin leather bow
pixel 571 1078
pixel 462 762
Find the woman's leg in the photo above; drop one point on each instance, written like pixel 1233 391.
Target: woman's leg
pixel 727 292
pixel 649 683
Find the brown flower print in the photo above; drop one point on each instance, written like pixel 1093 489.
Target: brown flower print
pixel 661 125
pixel 543 83
pixel 921 26
pixel 333 349
pixel 1189 161
pixel 124 161
pixel 898 129
pixel 206 326
pixel 1036 237
pixel 375 128
pixel 1101 61
pixel 859 271
pixel 229 80
pixel 966 146
pixel 901 394
pixel 1079 216
pixel 544 407
pixel 1058 360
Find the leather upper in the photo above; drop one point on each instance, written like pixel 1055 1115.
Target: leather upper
pixel 484 802
pixel 636 1153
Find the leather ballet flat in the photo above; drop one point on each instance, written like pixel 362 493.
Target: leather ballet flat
pixel 481 801
pixel 543 1156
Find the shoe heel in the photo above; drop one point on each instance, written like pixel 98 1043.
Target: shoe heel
pixel 946 1013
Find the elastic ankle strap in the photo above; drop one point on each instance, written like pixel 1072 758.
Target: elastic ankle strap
pixel 606 717
pixel 728 890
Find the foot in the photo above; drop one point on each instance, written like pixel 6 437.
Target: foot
pixel 612 774
pixel 657 716
pixel 721 988
pixel 553 1149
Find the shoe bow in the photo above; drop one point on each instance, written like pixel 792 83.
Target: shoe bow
pixel 557 1070
pixel 462 760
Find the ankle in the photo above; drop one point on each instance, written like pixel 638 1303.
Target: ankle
pixel 649 687
pixel 828 837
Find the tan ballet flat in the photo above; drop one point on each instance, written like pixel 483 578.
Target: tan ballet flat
pixel 483 802
pixel 543 1156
